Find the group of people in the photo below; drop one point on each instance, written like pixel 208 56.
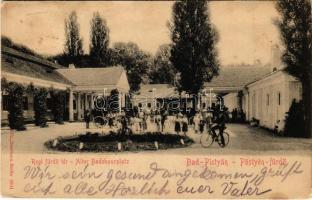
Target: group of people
pixel 160 120
pixel 110 118
pixel 144 118
pixel 237 115
pixel 137 121
pixel 181 123
pixel 212 119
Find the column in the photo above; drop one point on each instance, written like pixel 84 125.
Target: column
pixel 92 101
pixel 79 106
pixel 86 102
pixel 198 101
pixel 120 101
pixel 154 106
pixel 71 106
pixel 247 105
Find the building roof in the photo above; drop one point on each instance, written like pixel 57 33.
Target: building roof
pixel 161 90
pixel 93 76
pixel 273 73
pixel 23 64
pixel 237 76
pixel 229 79
pixel 30 58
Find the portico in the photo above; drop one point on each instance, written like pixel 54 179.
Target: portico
pixel 91 83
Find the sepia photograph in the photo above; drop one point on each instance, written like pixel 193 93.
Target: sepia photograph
pixel 156 99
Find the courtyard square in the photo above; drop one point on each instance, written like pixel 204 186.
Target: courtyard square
pixel 243 140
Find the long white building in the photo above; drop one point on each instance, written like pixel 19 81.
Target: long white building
pixel 80 84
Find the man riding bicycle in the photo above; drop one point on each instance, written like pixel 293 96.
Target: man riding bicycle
pixel 219 116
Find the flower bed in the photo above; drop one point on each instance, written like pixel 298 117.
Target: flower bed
pixel 112 142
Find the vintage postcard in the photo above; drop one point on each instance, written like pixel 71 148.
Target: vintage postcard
pixel 185 99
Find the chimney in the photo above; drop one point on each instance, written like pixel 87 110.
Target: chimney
pixel 276 57
pixel 71 66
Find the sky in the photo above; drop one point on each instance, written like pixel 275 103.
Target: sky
pixel 246 29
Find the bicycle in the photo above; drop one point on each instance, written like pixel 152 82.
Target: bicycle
pixel 207 139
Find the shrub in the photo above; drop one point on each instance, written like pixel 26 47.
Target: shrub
pixel 15 108
pixel 95 142
pixel 40 107
pixel 58 98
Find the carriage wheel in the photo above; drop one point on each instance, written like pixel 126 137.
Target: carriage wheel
pixel 100 121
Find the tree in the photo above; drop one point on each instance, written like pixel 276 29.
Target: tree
pixel 5 41
pixel 136 62
pixel 99 40
pixel 73 44
pixel 193 51
pixel 114 101
pixel 79 61
pixel 163 71
pixel 295 120
pixel 296 26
